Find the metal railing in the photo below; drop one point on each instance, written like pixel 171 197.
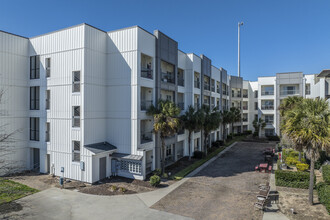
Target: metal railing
pixel 218 90
pixel 146 137
pixel 168 77
pixel 245 107
pixel 146 73
pixel 289 92
pixel 180 81
pixel 245 120
pixel 267 107
pixel 245 96
pixel 267 92
pixel 197 84
pixel 145 104
pixel 206 87
pixel 212 88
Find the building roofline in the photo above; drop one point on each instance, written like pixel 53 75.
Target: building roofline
pixel 62 29
pixel 165 35
pixel 13 34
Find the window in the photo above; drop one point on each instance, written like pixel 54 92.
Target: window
pixel 130 166
pixel 47 132
pixel 269 119
pixel 256 106
pixel 34 67
pixel 267 90
pixel 34 129
pixel 76 151
pixel 47 99
pixel 47 67
pixel 256 117
pixel 76 116
pixel 308 89
pixel 76 81
pixel 269 132
pixel 34 97
pixel 245 117
pixel 168 151
pixel 256 94
pixel 180 77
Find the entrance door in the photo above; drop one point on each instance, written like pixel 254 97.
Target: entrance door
pixel 36 159
pixel 103 168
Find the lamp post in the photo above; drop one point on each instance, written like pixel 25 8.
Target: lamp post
pixel 239 61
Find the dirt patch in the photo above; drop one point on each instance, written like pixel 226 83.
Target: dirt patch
pixel 10 207
pixel 34 180
pixel 297 199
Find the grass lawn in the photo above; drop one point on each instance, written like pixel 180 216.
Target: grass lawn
pixel 10 191
pixel 192 167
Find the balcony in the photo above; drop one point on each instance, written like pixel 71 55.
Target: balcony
pixel 146 73
pixel 145 104
pixel 244 119
pixel 207 87
pixel 286 92
pixel 267 107
pixel 146 137
pixel 245 108
pixel 269 121
pixel 224 92
pixel 267 92
pixel 218 90
pixel 212 88
pixel 168 77
pixel 197 84
pixel 245 95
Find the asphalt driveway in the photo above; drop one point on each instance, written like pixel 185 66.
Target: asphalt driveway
pixel 225 189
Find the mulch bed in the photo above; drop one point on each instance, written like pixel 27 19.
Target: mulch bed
pixel 180 165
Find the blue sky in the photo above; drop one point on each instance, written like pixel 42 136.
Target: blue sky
pixel 277 36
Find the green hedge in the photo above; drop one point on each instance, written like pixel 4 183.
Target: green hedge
pixel 292 179
pixel 323 192
pixel 326 173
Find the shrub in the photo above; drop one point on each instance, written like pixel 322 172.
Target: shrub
pixel 154 180
pixel 302 166
pixel 291 161
pixel 113 188
pixel 248 132
pixel 165 175
pixel 198 154
pixel 215 144
pixel 292 179
pixel 122 189
pixel 255 134
pixel 157 172
pixel 326 173
pixel 323 192
pixel 273 138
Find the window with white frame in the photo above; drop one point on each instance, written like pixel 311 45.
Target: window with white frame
pixel 76 116
pixel 47 67
pixel 130 166
pixel 76 151
pixel 76 81
pixel 269 119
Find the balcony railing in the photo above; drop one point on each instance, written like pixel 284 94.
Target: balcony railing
pixel 212 88
pixel 206 87
pixel 245 120
pixel 269 121
pixel 289 92
pixel 267 107
pixel 146 73
pixel 245 95
pixel 218 90
pixel 145 104
pixel 267 92
pixel 146 137
pixel 181 105
pixel 168 77
pixel 245 108
pixel 180 82
pixel 197 84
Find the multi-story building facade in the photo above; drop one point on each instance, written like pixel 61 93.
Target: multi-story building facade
pixel 79 96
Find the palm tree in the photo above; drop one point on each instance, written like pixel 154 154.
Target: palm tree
pixel 307 123
pixel 210 121
pixel 258 124
pixel 235 117
pixel 286 105
pixel 166 123
pixel 191 121
pixel 225 119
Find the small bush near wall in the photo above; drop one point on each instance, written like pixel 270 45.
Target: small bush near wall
pixel 323 192
pixel 247 132
pixel 302 166
pixel 273 138
pixel 198 154
pixel 292 179
pixel 154 180
pixel 326 173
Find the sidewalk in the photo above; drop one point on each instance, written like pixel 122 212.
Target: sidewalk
pixel 272 212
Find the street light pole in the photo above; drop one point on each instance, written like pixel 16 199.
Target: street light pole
pixel 239 57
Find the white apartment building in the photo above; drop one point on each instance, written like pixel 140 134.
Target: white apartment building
pixel 78 99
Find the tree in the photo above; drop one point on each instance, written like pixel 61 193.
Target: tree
pixel 225 119
pixel 235 114
pixel 191 120
pixel 166 123
pixel 307 123
pixel 210 121
pixel 6 146
pixel 287 105
pixel 258 124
